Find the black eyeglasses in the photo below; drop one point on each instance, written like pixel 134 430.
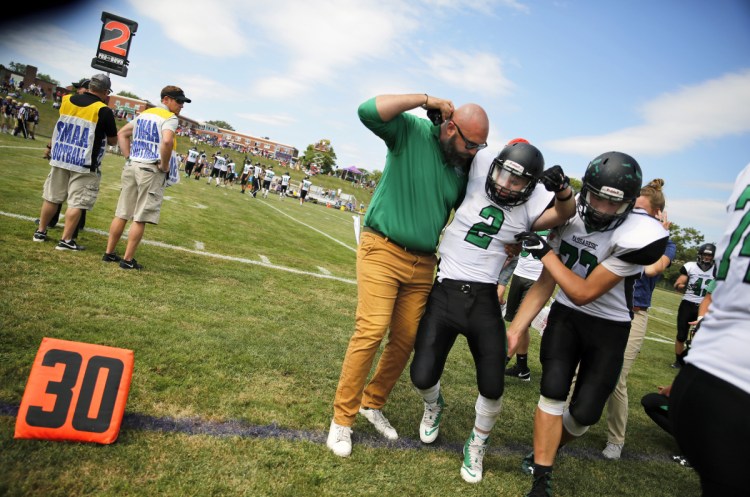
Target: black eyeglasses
pixel 470 145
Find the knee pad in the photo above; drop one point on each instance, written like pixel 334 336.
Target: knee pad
pixel 487 412
pixel 551 406
pixel 572 426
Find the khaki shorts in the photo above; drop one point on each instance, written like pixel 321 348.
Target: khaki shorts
pixel 78 189
pixel 142 192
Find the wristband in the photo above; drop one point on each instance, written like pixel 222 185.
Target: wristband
pixel 566 198
pixel 426 99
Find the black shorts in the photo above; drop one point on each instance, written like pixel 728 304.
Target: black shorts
pixel 469 309
pixel 215 172
pixel 572 337
pixel 687 312
pixel 267 184
pixel 519 287
pixel 709 421
pixel 303 194
pixel 243 179
pixel 283 188
pixel 222 174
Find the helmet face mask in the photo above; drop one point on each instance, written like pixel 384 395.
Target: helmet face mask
pixel 514 174
pixel 611 185
pixel 705 257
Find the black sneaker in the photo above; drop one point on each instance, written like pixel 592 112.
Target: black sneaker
pixel 527 465
pixel 516 371
pixel 542 486
pixel 71 245
pixel 40 236
pixel 113 257
pixel 131 264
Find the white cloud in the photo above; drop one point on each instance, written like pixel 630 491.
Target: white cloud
pixel 52 49
pixel 272 119
pixel 209 28
pixel 478 72
pixel 709 216
pixel 675 121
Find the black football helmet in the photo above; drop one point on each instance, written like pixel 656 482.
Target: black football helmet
pixel 706 253
pixel 612 176
pixel 518 158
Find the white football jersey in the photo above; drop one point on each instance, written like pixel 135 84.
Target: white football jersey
pixel 722 343
pixel 221 163
pixel 473 245
pixel 640 239
pixel 269 175
pixel 528 267
pixel 698 280
pixel 258 171
pixel 246 169
pixel 285 180
pixel 192 155
pixel 306 184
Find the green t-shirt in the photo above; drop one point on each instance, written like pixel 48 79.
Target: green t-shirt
pixel 418 190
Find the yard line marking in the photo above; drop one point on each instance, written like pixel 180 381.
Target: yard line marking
pixel 323 270
pixel 353 249
pixel 264 259
pixel 238 428
pixel 207 254
pixel 659 340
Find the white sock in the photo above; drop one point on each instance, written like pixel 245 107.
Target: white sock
pixel 487 412
pixel 430 395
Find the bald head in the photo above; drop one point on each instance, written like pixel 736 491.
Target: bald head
pixel 473 121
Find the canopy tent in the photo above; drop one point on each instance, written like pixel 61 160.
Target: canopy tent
pixel 351 170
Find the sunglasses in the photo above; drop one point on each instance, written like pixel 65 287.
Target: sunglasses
pixel 470 145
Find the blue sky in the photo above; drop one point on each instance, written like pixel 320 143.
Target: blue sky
pixel 666 81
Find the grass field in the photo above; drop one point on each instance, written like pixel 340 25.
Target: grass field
pixel 239 323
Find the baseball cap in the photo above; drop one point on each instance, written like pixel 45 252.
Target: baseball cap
pixel 176 93
pixel 102 81
pixel 82 83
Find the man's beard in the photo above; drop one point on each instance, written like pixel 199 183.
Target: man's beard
pixel 452 156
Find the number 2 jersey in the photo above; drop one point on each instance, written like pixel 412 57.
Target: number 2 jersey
pixel 473 245
pixel 639 241
pixel 722 345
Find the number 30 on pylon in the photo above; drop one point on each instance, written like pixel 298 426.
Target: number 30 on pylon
pixel 76 392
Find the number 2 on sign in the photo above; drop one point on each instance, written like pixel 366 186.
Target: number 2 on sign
pixel 118 44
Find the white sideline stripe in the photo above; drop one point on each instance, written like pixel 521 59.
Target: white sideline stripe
pixel 353 249
pixel 207 254
pixel 264 259
pixel 659 340
pixel 323 270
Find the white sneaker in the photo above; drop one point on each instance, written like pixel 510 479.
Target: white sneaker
pixel 430 425
pixel 612 451
pixel 340 439
pixel 474 448
pixel 380 422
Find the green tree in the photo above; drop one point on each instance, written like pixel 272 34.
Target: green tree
pixel 221 124
pixel 320 154
pixel 17 67
pixel 687 240
pixel 48 79
pixel 129 95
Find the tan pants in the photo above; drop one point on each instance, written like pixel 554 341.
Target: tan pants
pixel 617 405
pixel 393 286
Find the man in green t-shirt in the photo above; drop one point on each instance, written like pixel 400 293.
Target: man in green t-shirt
pixel 424 179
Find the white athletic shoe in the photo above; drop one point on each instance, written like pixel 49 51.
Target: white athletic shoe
pixel 380 422
pixel 474 449
pixel 430 425
pixel 612 451
pixel 340 439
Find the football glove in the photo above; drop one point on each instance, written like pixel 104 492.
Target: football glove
pixel 533 244
pixel 554 179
